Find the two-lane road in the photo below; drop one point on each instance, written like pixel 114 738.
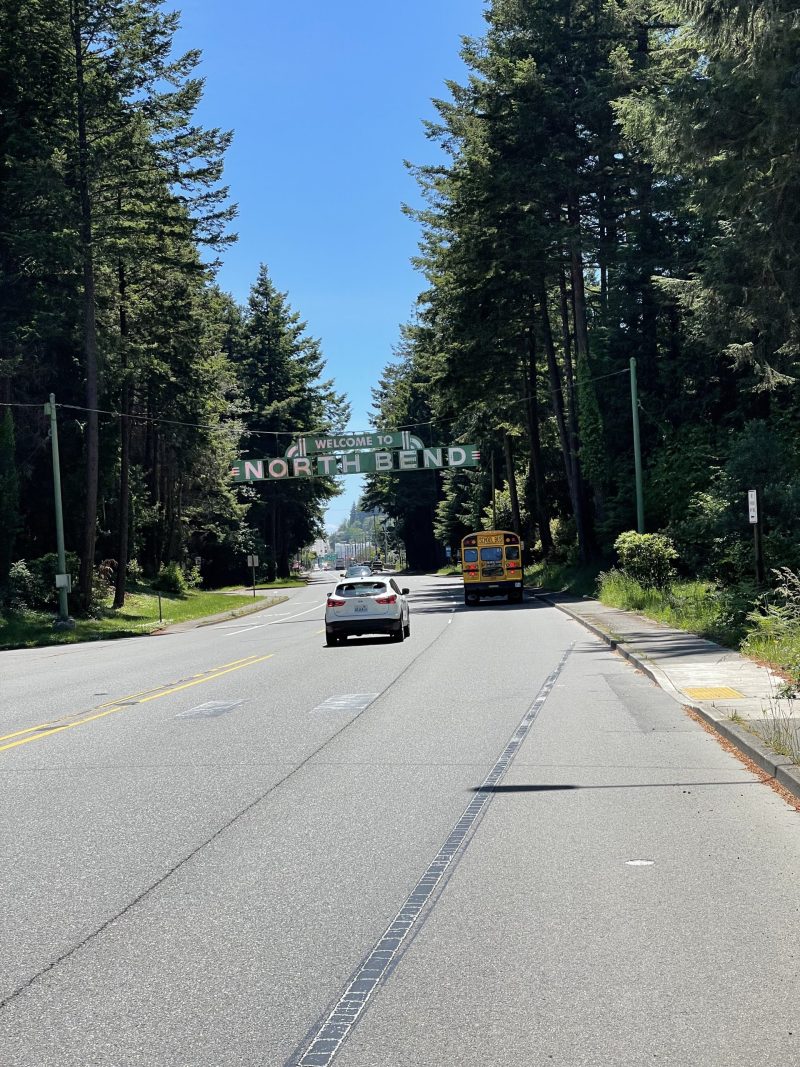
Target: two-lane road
pixel 494 843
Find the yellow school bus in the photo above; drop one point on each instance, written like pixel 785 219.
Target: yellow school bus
pixel 491 563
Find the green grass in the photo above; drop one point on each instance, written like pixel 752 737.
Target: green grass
pixel 581 580
pixel 687 605
pixel 139 616
pixel 279 583
pixel 702 608
pixel 777 642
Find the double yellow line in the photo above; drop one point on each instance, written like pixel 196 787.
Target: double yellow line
pixel 47 729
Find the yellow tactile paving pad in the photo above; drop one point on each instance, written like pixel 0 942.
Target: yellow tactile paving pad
pixel 712 692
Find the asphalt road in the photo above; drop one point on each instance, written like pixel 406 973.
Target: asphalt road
pixel 492 844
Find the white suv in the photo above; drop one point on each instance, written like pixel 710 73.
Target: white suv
pixel 367 606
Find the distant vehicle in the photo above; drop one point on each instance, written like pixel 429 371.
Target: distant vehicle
pixel 491 564
pixel 377 565
pixel 367 606
pixel 360 570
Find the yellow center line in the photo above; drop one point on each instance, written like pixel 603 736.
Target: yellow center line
pixel 203 674
pixel 117 706
pixel 27 730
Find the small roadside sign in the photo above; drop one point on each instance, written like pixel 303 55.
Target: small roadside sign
pixel 252 561
pixel 752 504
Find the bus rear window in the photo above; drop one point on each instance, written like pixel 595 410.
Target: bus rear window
pixel 512 552
pixel 492 555
pixel 470 555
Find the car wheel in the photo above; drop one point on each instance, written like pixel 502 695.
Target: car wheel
pixel 399 634
pixel 331 639
pixel 407 628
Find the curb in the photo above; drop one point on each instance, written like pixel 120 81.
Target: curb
pixel 785 773
pixel 211 620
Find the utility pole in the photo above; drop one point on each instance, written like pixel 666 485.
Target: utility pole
pixel 637 449
pixel 63 580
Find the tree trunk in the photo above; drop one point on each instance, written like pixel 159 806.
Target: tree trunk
pixel 89 317
pixel 536 468
pixel 571 462
pixel 125 450
pixel 586 539
pixel 512 485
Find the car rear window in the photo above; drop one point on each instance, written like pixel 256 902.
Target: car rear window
pixel 349 589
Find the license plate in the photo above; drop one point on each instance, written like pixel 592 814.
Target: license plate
pixel 360 609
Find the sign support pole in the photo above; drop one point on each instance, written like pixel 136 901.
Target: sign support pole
pixel 637 449
pixel 754 506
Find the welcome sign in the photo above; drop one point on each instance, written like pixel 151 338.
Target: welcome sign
pixel 340 442
pixel 321 466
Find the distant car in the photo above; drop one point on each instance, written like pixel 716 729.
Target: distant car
pixel 360 570
pixel 367 606
pixel 377 565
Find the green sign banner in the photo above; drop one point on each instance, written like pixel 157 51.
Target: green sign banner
pixel 340 442
pixel 320 466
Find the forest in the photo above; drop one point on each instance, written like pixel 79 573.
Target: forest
pixel 614 179
pixel 113 219
pixel 619 179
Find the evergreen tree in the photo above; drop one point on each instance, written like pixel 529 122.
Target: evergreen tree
pixel 280 368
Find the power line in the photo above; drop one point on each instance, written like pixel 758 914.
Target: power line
pixel 246 431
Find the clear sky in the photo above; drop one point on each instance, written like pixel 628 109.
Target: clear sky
pixel 326 100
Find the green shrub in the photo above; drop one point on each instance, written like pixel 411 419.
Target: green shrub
pixel 192 576
pixel 775 633
pixel 272 570
pixel 170 579
pixel 22 587
pixel 134 571
pixel 32 583
pixel 647 559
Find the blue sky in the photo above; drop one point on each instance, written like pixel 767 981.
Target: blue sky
pixel 326 101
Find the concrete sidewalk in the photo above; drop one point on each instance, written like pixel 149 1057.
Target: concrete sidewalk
pixel 735 695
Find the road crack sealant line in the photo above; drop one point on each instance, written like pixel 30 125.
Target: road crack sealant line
pixel 324 1041
pixel 186 859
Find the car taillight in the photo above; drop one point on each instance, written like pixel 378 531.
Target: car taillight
pixel 335 602
pixel 392 599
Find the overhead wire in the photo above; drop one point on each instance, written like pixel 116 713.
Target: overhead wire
pixel 251 432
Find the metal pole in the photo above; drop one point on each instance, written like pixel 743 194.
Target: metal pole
pixel 637 449
pixel 759 546
pixel 63 606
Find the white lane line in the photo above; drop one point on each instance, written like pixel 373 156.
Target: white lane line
pixel 316 607
pixel 275 622
pixel 347 702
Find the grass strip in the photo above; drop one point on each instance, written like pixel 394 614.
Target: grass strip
pixel 138 617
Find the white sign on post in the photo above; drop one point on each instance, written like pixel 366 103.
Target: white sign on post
pixel 752 505
pixel 252 561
